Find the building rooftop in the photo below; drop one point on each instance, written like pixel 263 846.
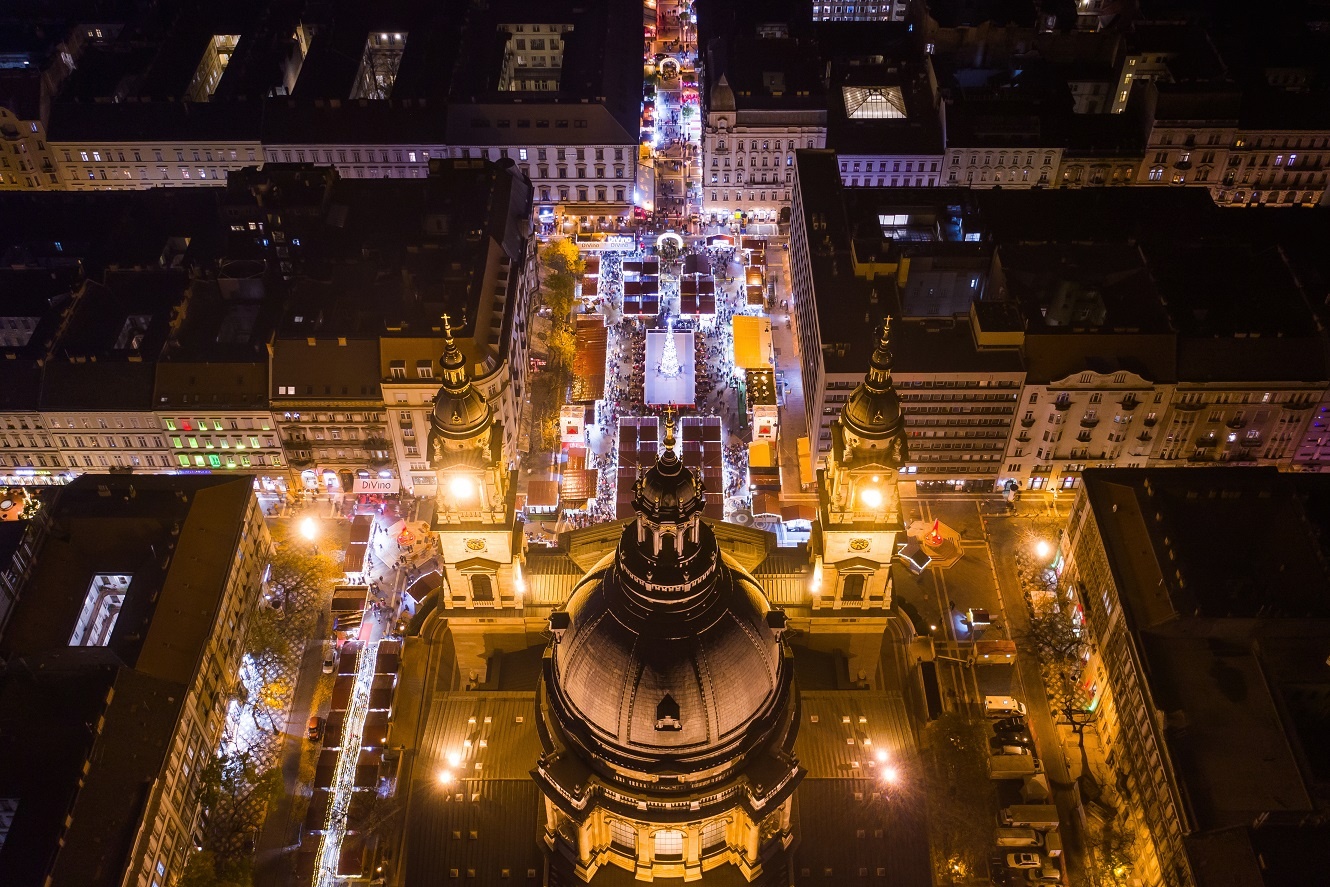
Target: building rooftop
pixel 877 107
pixel 489 820
pixel 104 356
pixel 103 644
pixel 1240 314
pixel 1222 574
pixel 35 300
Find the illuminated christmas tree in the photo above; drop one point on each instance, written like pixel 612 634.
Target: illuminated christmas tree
pixel 669 358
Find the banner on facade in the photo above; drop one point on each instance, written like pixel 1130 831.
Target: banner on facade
pixel 376 485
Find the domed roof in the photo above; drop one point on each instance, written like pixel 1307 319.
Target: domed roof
pixel 873 411
pixel 722 96
pixel 460 411
pixel 669 492
pixel 648 681
pixel 667 657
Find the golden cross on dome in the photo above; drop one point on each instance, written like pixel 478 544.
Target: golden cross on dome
pixel 447 327
pixel 669 426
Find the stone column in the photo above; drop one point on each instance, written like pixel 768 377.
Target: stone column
pixel 692 853
pixel 584 843
pixel 644 851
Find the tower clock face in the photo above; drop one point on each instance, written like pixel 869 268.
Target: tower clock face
pixel 860 544
pixel 475 545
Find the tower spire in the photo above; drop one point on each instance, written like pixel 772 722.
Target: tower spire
pixel 453 363
pixel 879 366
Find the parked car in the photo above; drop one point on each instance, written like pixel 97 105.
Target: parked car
pixel 1010 724
pixel 999 749
pixel 329 657
pixel 314 729
pixel 1023 861
pixel 1014 737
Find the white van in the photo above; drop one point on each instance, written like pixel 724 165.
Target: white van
pixel 1003 707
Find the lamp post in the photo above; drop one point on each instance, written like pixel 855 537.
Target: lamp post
pixel 309 528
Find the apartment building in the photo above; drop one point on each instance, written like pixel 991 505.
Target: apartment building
pixel 328 408
pixel 142 600
pixel 858 255
pixel 764 97
pixel 1035 340
pixel 1215 782
pixel 96 399
pixel 1099 355
pixel 211 386
pixel 36 302
pixel 885 121
pixel 374 93
pixel 1251 370
pixel 872 11
pixel 1003 144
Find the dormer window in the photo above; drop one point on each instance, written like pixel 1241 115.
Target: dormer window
pixel 667 714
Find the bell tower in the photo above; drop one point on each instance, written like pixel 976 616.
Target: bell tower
pixel 859 506
pixel 474 505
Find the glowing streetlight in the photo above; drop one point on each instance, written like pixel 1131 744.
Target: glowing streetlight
pixel 454 759
pixel 1043 549
pixel 890 775
pixel 871 497
pixel 445 777
pixel 309 529
pixel 461 488
pixel 881 756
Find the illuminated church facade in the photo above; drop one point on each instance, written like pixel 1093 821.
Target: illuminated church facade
pixel 666 713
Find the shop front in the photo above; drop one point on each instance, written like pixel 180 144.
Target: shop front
pixel 34 477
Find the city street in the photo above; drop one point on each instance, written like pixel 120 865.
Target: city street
pixel 985 578
pixel 310 688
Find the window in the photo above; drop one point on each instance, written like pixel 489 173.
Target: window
pixel 623 836
pixel 669 844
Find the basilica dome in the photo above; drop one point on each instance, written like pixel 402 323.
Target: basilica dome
pixel 668 658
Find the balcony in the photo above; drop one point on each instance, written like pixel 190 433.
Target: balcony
pixel 1062 405
pixel 1089 421
pixel 1206 442
pixel 1144 437
pixel 1298 404
pixel 1027 423
pixel 1023 437
pixel 1188 406
pixel 1236 422
pixel 1129 402
pixel 1149 421
pixel 405 422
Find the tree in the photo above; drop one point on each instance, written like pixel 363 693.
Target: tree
pixel 560 256
pixel 1111 854
pixel 234 788
pixel 559 293
pixel 960 796
pixel 562 344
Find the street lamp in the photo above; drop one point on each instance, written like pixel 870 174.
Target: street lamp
pixel 871 497
pixel 309 529
pixel 445 777
pixel 890 775
pixel 1043 549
